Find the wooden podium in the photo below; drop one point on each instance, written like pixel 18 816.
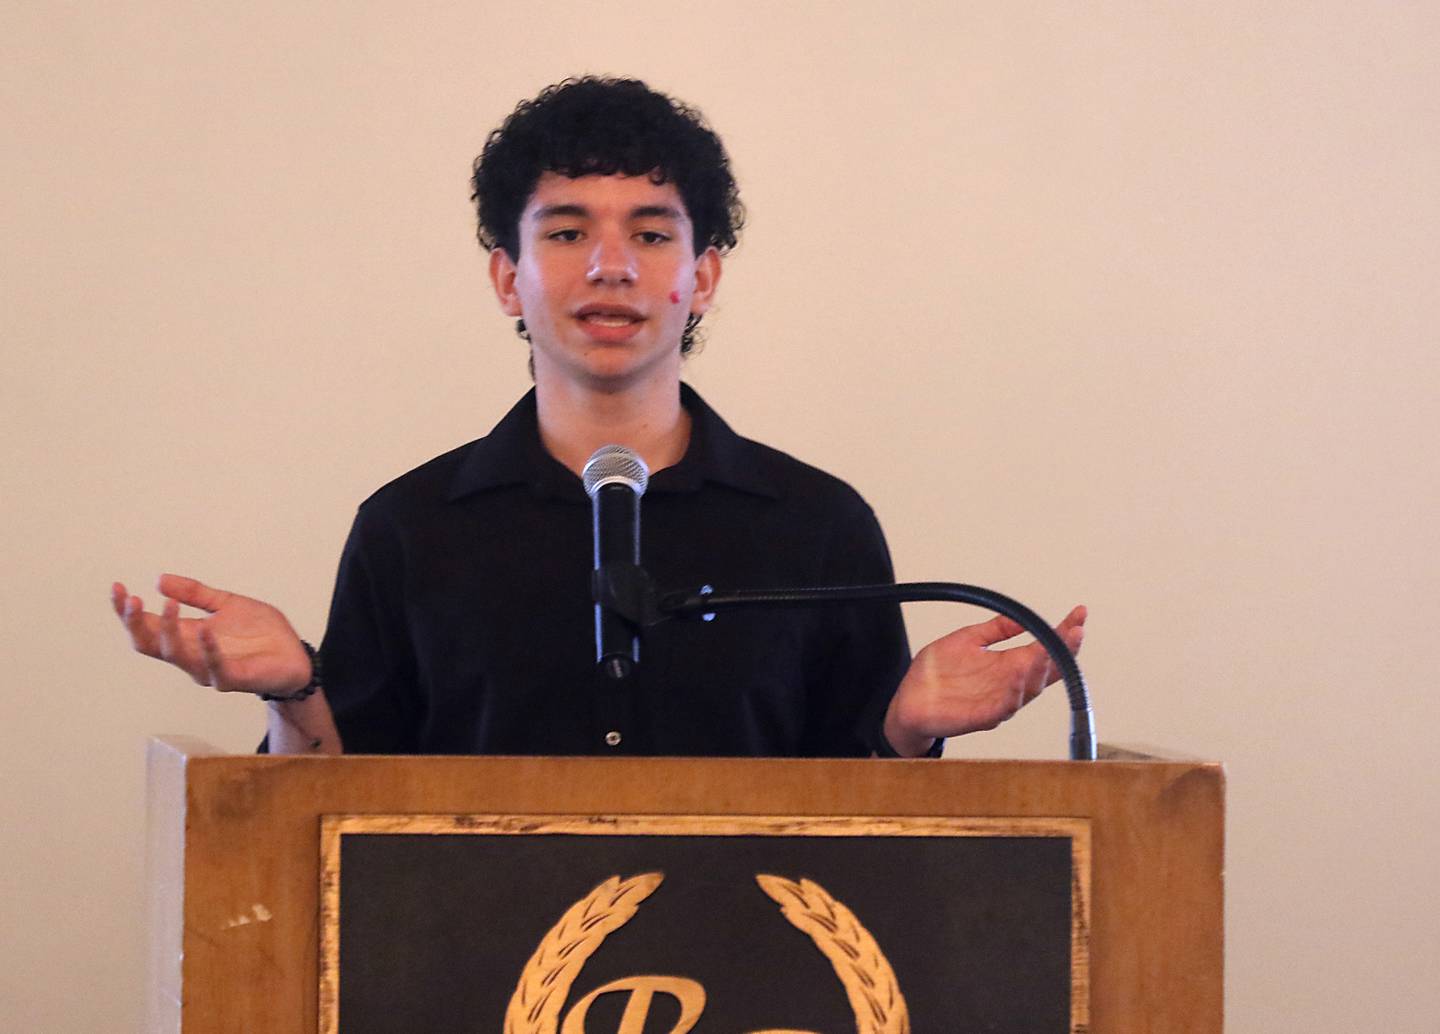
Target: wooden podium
pixel 849 868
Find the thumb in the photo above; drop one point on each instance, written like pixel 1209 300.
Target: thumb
pixel 192 593
pixel 988 633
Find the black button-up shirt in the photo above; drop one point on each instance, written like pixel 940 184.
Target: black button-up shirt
pixel 462 621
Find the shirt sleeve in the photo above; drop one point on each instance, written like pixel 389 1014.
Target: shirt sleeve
pixel 863 649
pixel 370 679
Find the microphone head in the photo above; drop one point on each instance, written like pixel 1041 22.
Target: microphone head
pixel 612 465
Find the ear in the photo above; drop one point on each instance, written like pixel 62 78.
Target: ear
pixel 502 278
pixel 707 279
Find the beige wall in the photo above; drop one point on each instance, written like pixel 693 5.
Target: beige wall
pixel 1129 304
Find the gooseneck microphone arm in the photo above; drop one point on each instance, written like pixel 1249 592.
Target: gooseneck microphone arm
pixel 627 591
pixel 627 601
pixel 1082 718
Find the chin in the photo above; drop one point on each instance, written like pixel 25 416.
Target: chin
pixel 617 368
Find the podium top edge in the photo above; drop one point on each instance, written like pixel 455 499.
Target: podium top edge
pixel 184 746
pixel 179 746
pixel 1147 752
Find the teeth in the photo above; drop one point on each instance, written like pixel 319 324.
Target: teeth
pixel 606 320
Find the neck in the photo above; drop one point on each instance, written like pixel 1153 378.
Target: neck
pixel 575 421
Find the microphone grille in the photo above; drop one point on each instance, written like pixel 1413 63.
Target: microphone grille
pixel 615 464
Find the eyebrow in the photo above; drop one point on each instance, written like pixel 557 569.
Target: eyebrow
pixel 551 211
pixel 581 212
pixel 655 212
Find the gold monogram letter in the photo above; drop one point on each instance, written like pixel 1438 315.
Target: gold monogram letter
pixel 535 1007
pixel 642 992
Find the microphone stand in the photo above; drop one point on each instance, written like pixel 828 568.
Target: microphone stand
pixel 626 589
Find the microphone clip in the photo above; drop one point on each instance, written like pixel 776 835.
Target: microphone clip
pixel 627 591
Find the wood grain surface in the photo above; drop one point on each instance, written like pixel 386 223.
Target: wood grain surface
pixel 244 941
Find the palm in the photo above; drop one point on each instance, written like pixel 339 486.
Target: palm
pixel 996 683
pixel 256 641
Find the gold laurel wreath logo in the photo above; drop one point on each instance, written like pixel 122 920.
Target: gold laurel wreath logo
pixel 868 979
pixel 545 982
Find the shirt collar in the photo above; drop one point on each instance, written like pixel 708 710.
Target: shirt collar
pixel 511 454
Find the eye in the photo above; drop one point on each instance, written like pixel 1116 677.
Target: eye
pixel 568 236
pixel 652 237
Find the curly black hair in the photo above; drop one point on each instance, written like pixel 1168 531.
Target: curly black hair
pixel 606 126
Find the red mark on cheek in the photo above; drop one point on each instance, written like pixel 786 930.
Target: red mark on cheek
pixel 674 297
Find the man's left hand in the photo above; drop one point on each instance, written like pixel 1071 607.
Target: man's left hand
pixel 958 684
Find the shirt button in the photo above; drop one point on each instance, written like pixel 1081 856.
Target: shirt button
pixel 612 738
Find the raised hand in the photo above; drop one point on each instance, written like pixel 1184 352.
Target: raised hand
pixel 958 684
pixel 243 646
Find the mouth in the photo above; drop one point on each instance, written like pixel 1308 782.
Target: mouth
pixel 609 316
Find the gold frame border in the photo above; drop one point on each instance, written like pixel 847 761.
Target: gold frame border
pixel 333 827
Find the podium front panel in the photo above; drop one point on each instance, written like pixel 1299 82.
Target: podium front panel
pixel 537 924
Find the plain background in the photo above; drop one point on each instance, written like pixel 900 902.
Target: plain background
pixel 1130 304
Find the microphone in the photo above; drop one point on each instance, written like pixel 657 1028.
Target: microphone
pixel 615 478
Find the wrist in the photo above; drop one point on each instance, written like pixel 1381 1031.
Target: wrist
pixel 903 742
pixel 311 686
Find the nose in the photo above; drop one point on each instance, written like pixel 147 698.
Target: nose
pixel 611 261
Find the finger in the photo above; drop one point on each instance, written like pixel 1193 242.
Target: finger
pixel 1073 636
pixel 142 627
pixel 173 646
pixel 215 668
pixel 1040 671
pixel 192 593
pixel 117 599
pixel 169 631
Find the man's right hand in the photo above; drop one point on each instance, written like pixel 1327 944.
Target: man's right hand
pixel 243 646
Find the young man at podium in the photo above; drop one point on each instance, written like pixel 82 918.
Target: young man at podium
pixel 462 620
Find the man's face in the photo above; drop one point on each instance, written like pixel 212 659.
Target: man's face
pixel 606 278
